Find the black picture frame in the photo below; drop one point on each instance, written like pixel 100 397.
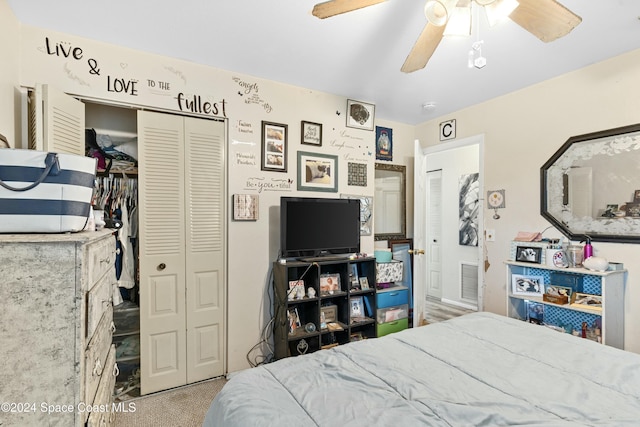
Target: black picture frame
pixel 530 254
pixel 274 147
pixel 311 133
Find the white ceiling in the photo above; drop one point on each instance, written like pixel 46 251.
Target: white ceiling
pixel 357 55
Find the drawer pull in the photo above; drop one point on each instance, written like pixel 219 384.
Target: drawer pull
pixel 393 294
pixel 116 370
pixel 162 266
pixel 97 368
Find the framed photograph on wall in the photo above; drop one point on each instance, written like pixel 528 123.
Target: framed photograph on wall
pixel 384 143
pixel 317 172
pixel 245 207
pixel 527 285
pixel 311 133
pixel 528 254
pixel 274 147
pixel 360 115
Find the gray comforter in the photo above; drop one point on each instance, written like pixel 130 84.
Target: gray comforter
pixel 477 370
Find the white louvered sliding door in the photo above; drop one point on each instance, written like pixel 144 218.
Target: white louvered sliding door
pixel 56 121
pixel 204 144
pixel 181 208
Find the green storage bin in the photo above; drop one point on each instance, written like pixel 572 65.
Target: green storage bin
pixel 391 327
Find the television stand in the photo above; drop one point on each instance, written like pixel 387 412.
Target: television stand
pixel 323 258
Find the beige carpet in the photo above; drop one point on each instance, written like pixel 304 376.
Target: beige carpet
pixel 180 407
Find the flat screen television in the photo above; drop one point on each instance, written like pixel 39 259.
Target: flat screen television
pixel 314 227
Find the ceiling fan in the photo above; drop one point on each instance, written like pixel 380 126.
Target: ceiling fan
pixel 548 20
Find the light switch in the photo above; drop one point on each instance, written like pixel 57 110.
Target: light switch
pixel 490 234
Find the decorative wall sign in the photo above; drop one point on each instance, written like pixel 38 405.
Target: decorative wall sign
pixel 245 207
pixel 357 174
pixel 366 209
pixel 384 143
pixel 360 115
pixel 469 192
pixel 448 130
pixel 317 172
pixel 311 133
pixel 274 147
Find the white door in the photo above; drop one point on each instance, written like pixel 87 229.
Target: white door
pixel 182 241
pixel 163 330
pixel 205 224
pixel 434 234
pixel 421 216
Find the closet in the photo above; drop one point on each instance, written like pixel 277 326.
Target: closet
pixel 181 239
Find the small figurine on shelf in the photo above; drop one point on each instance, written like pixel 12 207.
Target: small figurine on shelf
pixel 311 293
pixel 584 329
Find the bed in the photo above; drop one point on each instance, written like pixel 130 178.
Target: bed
pixel 480 369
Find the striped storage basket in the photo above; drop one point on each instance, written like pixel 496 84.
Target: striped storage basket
pixel 43 192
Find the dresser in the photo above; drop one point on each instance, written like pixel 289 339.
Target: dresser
pixel 56 326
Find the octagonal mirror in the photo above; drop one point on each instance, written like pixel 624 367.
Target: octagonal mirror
pixel 591 186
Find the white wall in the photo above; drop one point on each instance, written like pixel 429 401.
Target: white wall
pixel 105 72
pixel 521 131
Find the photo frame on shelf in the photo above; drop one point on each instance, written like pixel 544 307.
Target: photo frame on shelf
pixel 311 133
pixel 294 320
pixel 557 294
pixel 317 172
pixel 353 277
pixel 582 300
pixel 364 283
pixel 245 207
pixel 527 285
pixel 535 312
pixel 330 284
pixel 360 115
pixel 357 307
pixel 274 147
pixel 529 254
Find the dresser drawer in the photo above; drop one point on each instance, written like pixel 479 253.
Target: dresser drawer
pixel 393 296
pixel 105 413
pixel 99 298
pixel 391 314
pixel 391 327
pixel 96 365
pixel 102 256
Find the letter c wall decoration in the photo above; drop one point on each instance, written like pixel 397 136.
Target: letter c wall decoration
pixel 448 130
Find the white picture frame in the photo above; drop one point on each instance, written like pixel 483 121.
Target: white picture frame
pixel 522 284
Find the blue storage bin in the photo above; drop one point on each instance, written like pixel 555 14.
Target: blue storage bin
pixel 393 296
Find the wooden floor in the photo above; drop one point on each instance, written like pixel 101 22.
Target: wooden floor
pixel 437 311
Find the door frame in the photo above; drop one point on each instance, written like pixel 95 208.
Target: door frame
pixel 421 262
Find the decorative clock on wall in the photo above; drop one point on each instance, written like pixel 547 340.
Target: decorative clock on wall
pixel 495 199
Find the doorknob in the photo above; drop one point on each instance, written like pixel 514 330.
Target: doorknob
pixel 161 266
pixel 416 251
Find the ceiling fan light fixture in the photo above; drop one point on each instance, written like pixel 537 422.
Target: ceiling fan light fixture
pixel 499 10
pixel 485 2
pixel 460 22
pixel 438 12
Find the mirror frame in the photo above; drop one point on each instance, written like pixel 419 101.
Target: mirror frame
pixel 403 221
pixel 544 186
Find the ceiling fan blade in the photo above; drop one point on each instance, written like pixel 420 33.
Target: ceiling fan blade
pixel 423 49
pixel 336 7
pixel 548 20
